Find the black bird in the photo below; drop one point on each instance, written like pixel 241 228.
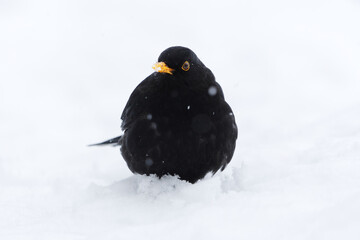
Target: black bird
pixel 176 121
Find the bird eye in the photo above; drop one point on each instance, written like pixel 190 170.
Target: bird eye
pixel 186 66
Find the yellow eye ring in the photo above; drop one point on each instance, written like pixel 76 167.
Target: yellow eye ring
pixel 185 66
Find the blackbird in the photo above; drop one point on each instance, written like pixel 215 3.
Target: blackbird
pixel 176 121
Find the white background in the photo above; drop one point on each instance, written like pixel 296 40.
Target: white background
pixel 289 69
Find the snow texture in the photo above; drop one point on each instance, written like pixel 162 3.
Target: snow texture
pixel 289 69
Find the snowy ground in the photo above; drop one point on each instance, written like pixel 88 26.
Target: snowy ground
pixel 290 71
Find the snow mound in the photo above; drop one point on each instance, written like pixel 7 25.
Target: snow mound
pixel 171 188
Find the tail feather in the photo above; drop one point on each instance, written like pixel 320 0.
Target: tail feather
pixel 114 142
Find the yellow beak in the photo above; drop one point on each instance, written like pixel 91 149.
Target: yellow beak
pixel 162 67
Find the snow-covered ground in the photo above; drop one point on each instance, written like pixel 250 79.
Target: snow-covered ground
pixel 289 69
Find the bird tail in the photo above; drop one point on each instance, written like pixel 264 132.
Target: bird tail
pixel 114 142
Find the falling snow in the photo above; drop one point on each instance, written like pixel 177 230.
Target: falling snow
pixel 212 91
pixel 289 70
pixel 149 162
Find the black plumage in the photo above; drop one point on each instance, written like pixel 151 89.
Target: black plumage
pixel 176 121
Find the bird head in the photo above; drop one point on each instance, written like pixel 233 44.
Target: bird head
pixel 177 60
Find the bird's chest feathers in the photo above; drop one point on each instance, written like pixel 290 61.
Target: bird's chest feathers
pixel 180 111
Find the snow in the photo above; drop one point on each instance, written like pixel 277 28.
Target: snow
pixel 290 71
pixel 212 91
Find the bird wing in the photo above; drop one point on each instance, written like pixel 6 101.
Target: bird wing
pixel 139 101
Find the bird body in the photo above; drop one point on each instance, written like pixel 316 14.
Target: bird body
pixel 177 122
